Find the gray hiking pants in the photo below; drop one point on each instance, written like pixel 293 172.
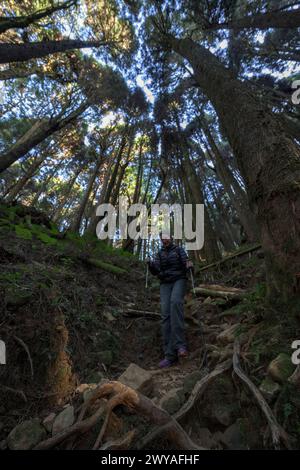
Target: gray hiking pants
pixel 172 298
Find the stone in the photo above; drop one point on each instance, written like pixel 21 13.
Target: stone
pixel 1 426
pixel 109 316
pixel 63 420
pixel 206 438
pixel 228 335
pixel 269 389
pixel 172 401
pixel 26 435
pixel 3 444
pixel 281 368
pixel 105 357
pixel 137 378
pixel 233 438
pixel 95 377
pixel 190 381
pixel 48 422
pixel 224 413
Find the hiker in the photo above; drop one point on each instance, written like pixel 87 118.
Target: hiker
pixel 171 265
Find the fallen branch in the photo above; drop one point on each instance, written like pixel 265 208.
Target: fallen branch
pixel 141 313
pixel 230 257
pixel 21 342
pixel 276 430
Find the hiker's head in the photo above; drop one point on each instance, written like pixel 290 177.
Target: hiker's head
pixel 166 239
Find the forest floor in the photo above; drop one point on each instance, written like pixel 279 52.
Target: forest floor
pixel 76 314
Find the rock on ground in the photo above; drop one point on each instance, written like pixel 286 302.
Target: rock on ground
pixel 281 368
pixel 26 435
pixel 172 401
pixel 137 378
pixel 48 422
pixel 63 420
pixel 269 389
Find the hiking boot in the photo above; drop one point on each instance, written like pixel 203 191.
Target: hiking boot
pixel 166 363
pixel 182 352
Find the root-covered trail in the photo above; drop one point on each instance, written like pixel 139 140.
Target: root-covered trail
pixel 73 326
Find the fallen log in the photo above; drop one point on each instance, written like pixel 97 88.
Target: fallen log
pixel 230 257
pixel 219 291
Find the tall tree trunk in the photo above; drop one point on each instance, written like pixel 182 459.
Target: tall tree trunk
pixel 37 134
pixel 13 193
pixel 211 249
pixel 270 19
pixel 58 210
pixel 21 22
pixel 268 159
pixel 128 244
pixel 75 225
pixel 109 182
pixel 44 184
pixel 34 50
pixel 236 193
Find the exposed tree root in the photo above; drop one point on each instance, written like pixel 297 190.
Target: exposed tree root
pixel 295 377
pixel 277 432
pixel 196 393
pixel 138 403
pixel 20 393
pixel 119 444
pixel 77 428
pixel 21 342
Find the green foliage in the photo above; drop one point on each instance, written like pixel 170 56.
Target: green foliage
pixel 23 232
pixel 46 239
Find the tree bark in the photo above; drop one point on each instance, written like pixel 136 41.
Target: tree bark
pixel 35 50
pixel 276 19
pixel 210 248
pixel 57 213
pixel 37 134
pixel 21 22
pixel 268 159
pixel 75 226
pixel 237 195
pixel 12 195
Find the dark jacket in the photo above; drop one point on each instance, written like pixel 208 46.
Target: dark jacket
pixel 169 264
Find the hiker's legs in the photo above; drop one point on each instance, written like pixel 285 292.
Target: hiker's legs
pixel 177 315
pixel 165 304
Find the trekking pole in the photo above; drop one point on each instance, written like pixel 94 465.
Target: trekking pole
pixel 193 283
pixel 147 274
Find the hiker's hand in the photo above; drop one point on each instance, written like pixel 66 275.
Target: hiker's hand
pixel 189 264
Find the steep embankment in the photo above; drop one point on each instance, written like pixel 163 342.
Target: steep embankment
pixel 75 313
